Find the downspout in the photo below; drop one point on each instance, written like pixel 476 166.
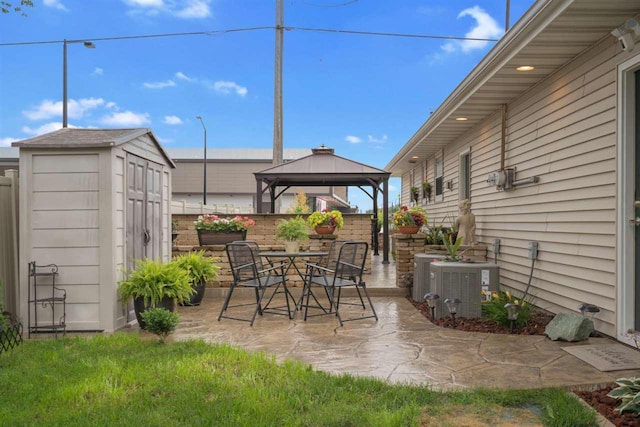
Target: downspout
pixel 503 137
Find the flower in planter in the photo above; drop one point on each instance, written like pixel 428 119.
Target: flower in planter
pixel 326 217
pixel 408 217
pixel 211 222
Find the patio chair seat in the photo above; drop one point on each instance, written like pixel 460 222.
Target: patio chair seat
pixel 248 271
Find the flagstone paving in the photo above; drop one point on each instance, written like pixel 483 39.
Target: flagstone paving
pixel 401 347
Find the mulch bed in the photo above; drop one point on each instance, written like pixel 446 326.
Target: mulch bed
pixel 606 406
pixel 596 398
pixel 538 322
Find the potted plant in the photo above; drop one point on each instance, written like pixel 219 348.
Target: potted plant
pixel 200 269
pixel 293 231
pixel 155 284
pixel 415 195
pixel 213 230
pixel 426 190
pixel 452 248
pixel 325 222
pixel 409 220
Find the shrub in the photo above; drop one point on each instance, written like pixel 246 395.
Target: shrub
pixel 160 321
pixel 494 308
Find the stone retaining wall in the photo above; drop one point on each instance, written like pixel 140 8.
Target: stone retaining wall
pixel 356 227
pixel 408 245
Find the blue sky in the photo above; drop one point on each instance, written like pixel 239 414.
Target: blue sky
pixel 363 95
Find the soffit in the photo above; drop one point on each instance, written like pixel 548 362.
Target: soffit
pixel 548 36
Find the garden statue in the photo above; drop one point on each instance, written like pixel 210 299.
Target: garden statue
pixel 466 223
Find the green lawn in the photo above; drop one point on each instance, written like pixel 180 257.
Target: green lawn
pixel 123 380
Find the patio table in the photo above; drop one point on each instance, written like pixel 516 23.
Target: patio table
pixel 291 256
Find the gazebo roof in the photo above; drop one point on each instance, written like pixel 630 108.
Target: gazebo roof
pixel 321 168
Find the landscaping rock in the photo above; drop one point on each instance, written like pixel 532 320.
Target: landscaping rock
pixel 569 327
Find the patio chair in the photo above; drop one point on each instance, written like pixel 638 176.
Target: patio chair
pixel 345 272
pixel 248 271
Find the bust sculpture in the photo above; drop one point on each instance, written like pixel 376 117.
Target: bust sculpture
pixel 466 223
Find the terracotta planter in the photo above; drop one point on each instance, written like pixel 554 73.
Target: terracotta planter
pixel 324 229
pixel 406 229
pixel 209 237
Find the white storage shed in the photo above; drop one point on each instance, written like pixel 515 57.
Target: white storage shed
pixel 92 201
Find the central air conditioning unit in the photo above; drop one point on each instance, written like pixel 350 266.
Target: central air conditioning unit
pixel 421 274
pixel 464 281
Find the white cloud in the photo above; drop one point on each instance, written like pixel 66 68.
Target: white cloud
pixel 182 76
pixel 111 105
pixel 55 4
pixel 381 140
pixel 172 120
pixel 392 188
pixel 45 128
pixel 145 3
pixel 159 85
pixel 6 142
pixel 228 87
pixel 185 9
pixel 486 28
pixel 75 108
pixel 125 118
pixel 194 9
pixel 98 72
pixel 353 139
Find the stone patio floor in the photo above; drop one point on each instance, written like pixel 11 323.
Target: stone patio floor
pixel 401 347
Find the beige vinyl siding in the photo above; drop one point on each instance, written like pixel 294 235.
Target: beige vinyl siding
pixel 563 131
pixel 65 230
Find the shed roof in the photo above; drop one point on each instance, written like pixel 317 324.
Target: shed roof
pixel 322 168
pixel 89 138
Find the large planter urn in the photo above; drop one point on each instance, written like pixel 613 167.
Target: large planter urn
pixel 210 237
pixel 139 306
pixel 409 229
pixel 324 229
pixel 198 295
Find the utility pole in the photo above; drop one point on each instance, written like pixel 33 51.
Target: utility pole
pixel 277 95
pixel 507 13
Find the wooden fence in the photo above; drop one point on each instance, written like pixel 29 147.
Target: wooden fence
pixel 9 239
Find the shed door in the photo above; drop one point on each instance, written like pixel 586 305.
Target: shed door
pixel 144 213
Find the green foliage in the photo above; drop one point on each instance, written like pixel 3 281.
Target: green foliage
pixel 628 392
pixel 155 280
pixel 292 229
pixel 6 6
pixel 434 235
pixel 119 379
pixel 199 267
pixel 326 217
pixel 452 248
pixel 300 204
pixel 493 308
pixel 160 321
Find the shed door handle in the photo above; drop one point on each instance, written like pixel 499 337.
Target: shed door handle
pixel 147 236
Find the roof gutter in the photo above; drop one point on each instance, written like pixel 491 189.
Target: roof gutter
pixel 538 17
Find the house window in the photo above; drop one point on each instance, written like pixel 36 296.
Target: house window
pixel 439 179
pixel 464 175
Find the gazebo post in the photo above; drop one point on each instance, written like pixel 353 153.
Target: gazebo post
pixel 272 195
pixel 385 222
pixel 258 196
pixel 375 217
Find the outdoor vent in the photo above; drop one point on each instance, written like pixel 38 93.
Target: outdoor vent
pixel 322 150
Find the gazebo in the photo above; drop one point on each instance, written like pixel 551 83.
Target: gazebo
pixel 323 168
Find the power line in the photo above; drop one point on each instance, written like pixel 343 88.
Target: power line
pixel 374 33
pixel 147 36
pixel 237 30
pixel 346 3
